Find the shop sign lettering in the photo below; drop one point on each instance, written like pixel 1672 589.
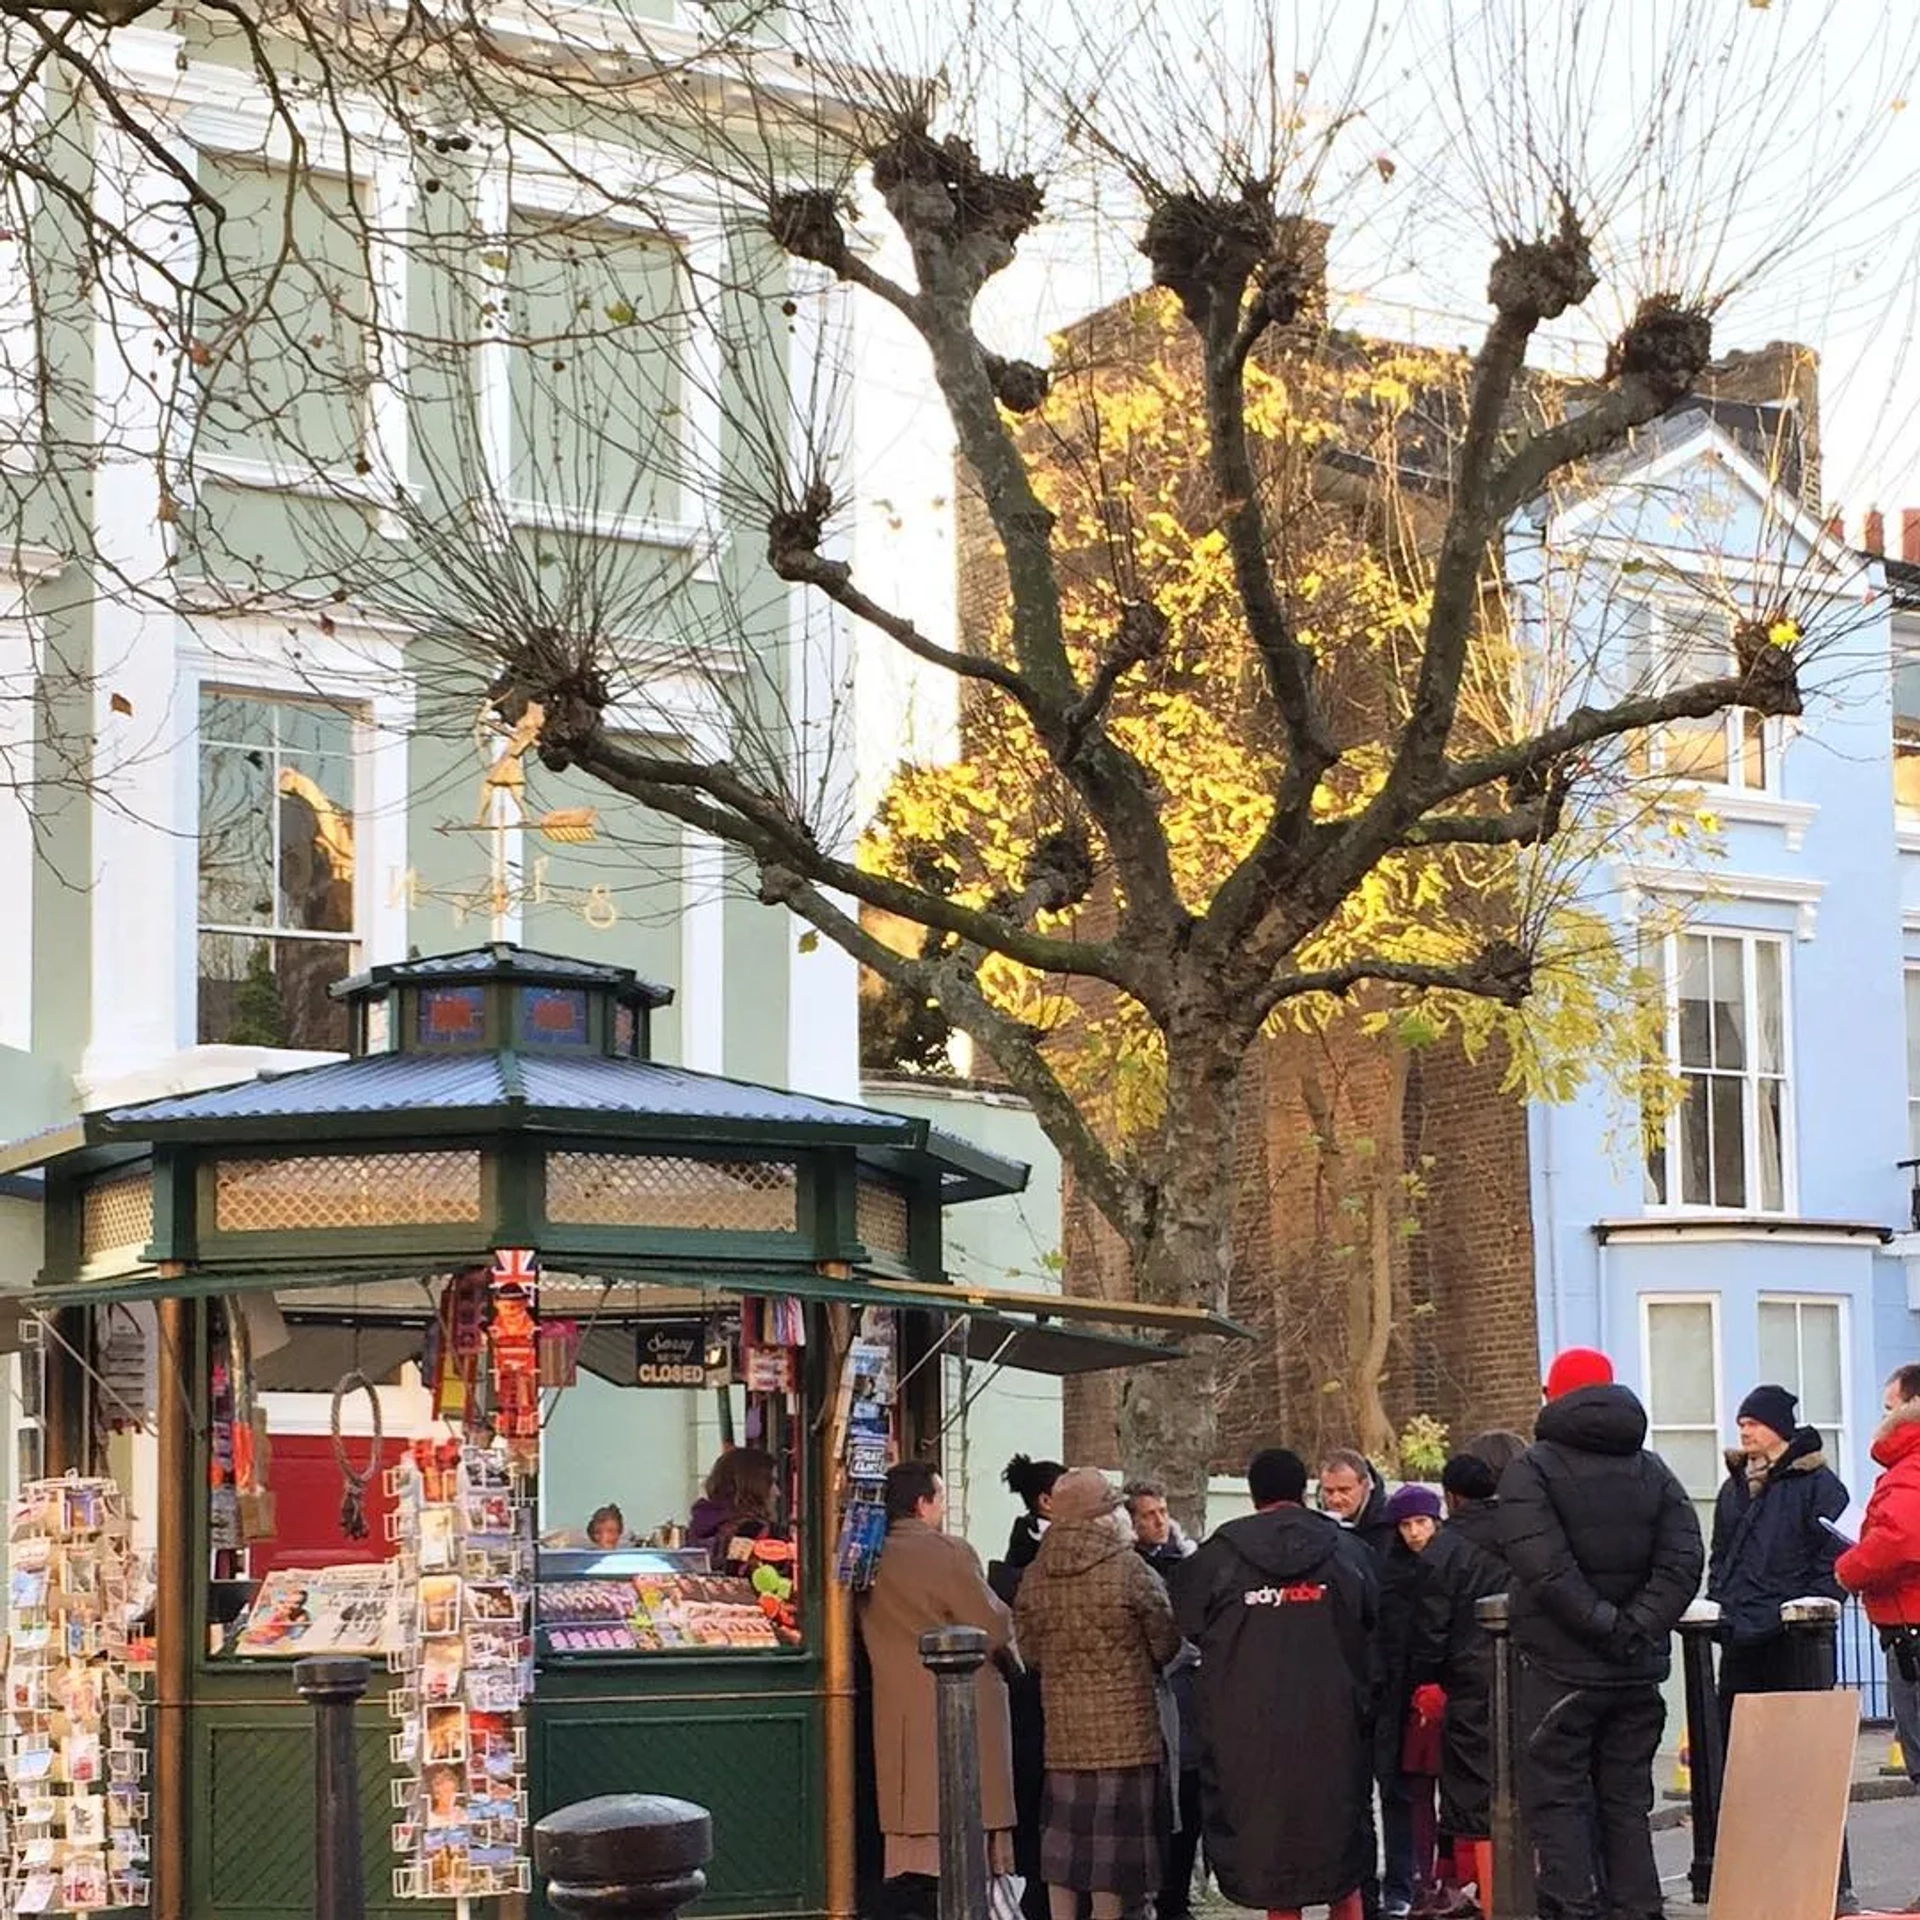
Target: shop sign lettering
pixel 672 1353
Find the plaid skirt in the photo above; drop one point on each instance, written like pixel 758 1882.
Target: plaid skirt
pixel 1104 1832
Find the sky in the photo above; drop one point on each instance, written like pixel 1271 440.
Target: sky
pixel 1760 155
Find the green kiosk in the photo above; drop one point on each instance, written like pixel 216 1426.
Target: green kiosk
pixel 500 1197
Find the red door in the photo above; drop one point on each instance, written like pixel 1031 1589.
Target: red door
pixel 307 1490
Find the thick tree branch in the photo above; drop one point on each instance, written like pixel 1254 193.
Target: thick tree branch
pixel 953 982
pixel 1503 972
pixel 735 811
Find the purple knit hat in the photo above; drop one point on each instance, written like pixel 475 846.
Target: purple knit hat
pixel 1414 1503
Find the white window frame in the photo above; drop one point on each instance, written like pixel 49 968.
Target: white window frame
pixel 1655 1425
pixel 1836 1435
pixel 351 666
pixel 1750 939
pixel 1662 614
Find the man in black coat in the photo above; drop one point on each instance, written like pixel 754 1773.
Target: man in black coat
pixel 1352 1491
pixel 1606 1555
pixel 1461 1566
pixel 1768 1548
pixel 1281 1606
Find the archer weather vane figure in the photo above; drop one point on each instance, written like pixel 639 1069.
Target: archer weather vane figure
pixel 506 816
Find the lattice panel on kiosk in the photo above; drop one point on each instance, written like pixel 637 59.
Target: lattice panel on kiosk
pixel 76 1798
pixel 463 1521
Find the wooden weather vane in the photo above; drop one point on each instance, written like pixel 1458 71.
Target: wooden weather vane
pixel 506 816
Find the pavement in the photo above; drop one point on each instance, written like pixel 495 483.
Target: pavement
pixel 1883 1830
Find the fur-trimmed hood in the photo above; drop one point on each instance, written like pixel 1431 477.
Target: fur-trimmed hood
pixel 1898 1434
pixel 1805 1454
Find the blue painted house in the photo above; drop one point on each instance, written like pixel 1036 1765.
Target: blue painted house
pixel 1759 1231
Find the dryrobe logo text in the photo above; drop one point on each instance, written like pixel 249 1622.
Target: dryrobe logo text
pixel 1301 1593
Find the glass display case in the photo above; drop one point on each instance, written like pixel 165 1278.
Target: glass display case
pixel 597 1603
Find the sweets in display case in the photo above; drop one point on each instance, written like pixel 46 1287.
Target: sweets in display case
pixel 648 1600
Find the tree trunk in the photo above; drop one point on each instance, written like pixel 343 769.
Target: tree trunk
pixel 1169 1413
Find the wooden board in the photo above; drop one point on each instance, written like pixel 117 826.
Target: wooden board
pixel 1788 1751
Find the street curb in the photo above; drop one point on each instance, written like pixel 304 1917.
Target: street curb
pixel 1676 1812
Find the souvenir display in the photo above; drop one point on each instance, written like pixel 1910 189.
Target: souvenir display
pixel 864 1423
pixel 76 1771
pixel 464 1525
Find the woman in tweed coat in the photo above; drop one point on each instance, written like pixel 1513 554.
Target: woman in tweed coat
pixel 1094 1618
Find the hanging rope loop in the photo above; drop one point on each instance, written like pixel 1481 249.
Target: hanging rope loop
pixel 353 1510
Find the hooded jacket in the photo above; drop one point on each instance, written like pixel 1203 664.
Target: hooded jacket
pixel 1282 1606
pixel 1603 1544
pixel 1884 1569
pixel 1094 1618
pixel 1461 1566
pixel 1768 1544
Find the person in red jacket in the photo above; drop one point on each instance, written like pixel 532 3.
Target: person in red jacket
pixel 1884 1569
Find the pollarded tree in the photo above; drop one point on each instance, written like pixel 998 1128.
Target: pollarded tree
pixel 529 418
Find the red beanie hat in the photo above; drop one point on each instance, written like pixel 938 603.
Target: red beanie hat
pixel 1577 1367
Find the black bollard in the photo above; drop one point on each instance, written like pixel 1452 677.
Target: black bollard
pixel 1813 1637
pixel 625 1853
pixel 335 1686
pixel 1706 1750
pixel 953 1655
pixel 1512 1892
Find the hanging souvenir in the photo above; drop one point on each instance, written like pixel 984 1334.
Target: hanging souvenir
pixel 512 1340
pixel 559 1349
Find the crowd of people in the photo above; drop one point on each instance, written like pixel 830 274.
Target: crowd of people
pixel 1303 1701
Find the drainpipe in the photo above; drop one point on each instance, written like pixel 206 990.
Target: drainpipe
pixel 1550 1223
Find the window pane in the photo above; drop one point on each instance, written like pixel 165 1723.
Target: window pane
pixel 1769 1003
pixel 306 727
pixel 1913 1035
pixel 1753 749
pixel 1696 750
pixel 1906 775
pixel 1820 1367
pixel 1729 1003
pixel 1690 1144
pixel 1699 645
pixel 236 837
pixel 1680 1363
pixel 316 847
pixel 1696 1033
pixel 232 719
pixel 1727 1105
pixel 1695 1457
pixel 1779 1342
pixel 1770 1144
pixel 271 993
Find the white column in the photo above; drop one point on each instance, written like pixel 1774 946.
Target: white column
pixel 142 952
pixel 18 855
pixel 823 984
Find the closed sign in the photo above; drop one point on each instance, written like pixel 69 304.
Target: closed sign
pixel 672 1353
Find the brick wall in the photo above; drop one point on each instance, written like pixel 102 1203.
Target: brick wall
pixel 1464 1334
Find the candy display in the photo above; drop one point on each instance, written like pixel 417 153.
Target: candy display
pixel 76 1768
pixel 649 1600
pixel 463 1521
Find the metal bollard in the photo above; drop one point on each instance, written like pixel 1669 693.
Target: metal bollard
pixel 335 1686
pixel 953 1655
pixel 1813 1635
pixel 1706 1750
pixel 1512 1892
pixel 625 1853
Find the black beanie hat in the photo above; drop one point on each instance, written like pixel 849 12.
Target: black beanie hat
pixel 1774 1408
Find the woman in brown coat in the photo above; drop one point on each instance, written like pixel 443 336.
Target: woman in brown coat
pixel 1094 1618
pixel 927 1579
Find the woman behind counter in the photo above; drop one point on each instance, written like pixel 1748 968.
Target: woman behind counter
pixel 739 1501
pixel 607 1528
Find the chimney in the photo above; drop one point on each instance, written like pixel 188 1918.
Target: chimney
pixel 1874 536
pixel 1910 535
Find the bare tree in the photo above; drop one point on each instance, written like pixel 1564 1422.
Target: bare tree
pixel 538 464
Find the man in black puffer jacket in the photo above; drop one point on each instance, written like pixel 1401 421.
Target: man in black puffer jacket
pixel 1606 1556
